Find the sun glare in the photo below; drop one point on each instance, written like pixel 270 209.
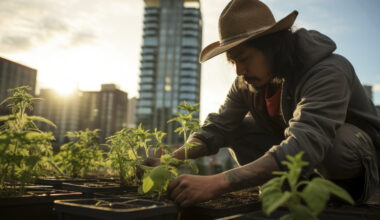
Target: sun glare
pixel 64 89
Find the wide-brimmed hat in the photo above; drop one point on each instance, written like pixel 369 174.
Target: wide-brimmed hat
pixel 242 20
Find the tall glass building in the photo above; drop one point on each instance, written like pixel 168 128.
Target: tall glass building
pixel 170 71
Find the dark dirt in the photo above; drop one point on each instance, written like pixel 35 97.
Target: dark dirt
pixel 232 199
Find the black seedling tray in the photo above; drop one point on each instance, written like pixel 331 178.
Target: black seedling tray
pixel 114 209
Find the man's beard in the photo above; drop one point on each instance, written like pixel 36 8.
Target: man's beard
pixel 252 88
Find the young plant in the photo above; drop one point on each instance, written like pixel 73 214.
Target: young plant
pixel 80 155
pixel 188 124
pixel 156 180
pixel 123 155
pixel 305 204
pixel 25 151
pixel 142 139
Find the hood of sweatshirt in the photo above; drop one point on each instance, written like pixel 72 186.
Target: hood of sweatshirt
pixel 313 47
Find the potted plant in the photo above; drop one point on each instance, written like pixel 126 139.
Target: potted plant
pixel 25 154
pixel 305 199
pixel 156 180
pixel 80 156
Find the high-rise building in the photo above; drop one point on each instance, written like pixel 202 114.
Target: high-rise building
pixel 131 112
pixel 105 110
pixel 13 75
pixel 170 71
pixel 62 110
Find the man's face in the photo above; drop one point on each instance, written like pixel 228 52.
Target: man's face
pixel 251 64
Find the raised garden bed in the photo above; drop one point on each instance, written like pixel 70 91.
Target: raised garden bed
pixel 114 209
pixel 226 205
pixel 36 203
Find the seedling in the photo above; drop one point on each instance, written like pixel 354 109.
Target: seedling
pixel 24 149
pixel 188 124
pixel 156 180
pixel 305 204
pixel 80 155
pixel 123 155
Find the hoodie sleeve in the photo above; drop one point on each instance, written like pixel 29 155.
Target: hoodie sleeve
pixel 218 127
pixel 323 99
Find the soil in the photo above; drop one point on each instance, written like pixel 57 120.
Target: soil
pixel 232 199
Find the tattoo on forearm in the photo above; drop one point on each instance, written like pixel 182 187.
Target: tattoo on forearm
pixel 192 153
pixel 252 174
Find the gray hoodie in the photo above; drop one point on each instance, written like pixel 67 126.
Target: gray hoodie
pixel 318 100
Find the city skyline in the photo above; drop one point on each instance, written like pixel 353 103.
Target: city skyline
pixel 100 41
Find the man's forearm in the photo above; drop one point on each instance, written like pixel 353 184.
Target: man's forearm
pixel 253 174
pixel 193 152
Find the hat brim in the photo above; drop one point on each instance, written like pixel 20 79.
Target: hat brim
pixel 216 48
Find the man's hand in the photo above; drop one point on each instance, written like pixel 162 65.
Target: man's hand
pixel 151 162
pixel 187 190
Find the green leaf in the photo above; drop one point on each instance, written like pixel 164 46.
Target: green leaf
pixel 281 199
pixel 286 217
pixel 147 184
pixel 315 196
pixel 41 119
pixel 302 212
pixel 271 193
pixel 131 154
pixel 334 189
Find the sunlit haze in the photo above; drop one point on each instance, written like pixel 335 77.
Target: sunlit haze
pixel 84 43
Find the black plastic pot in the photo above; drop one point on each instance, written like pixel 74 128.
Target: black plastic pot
pixel 95 187
pixel 34 204
pixel 57 182
pixel 231 204
pixel 114 209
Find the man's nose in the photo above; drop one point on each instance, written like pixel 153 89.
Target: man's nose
pixel 240 70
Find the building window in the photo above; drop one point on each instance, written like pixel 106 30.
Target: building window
pixel 189 81
pixel 190 41
pixel 188 88
pixel 144 111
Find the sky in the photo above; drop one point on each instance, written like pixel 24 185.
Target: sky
pixel 84 43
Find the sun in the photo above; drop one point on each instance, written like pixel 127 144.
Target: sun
pixel 64 89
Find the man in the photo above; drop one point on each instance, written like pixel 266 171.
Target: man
pixel 299 96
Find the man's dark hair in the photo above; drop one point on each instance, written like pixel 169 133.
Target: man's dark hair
pixel 280 49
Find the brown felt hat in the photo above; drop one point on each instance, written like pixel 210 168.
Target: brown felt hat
pixel 243 20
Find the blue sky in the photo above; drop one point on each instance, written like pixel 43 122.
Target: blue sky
pixel 83 43
pixel 353 25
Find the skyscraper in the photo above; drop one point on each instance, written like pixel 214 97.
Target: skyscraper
pixel 170 71
pixel 13 75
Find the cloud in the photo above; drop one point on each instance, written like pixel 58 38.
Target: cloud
pixel 82 37
pixel 15 43
pixel 376 87
pixel 26 24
